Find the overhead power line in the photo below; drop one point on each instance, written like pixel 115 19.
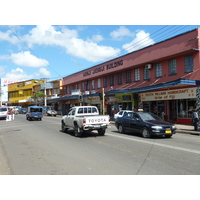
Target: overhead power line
pixel 31 50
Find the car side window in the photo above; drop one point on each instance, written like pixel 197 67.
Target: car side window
pixel 135 116
pixel 70 112
pixel 127 115
pixel 73 112
pixel 80 110
pixel 121 112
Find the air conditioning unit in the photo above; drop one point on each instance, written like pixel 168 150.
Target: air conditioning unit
pixel 148 66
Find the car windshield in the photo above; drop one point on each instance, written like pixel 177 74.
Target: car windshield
pixel 149 116
pixel 3 109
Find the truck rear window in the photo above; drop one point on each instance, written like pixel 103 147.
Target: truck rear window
pixel 87 110
pixel 36 110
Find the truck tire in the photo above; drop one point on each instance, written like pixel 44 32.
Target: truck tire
pixel 63 127
pixel 101 131
pixel 77 131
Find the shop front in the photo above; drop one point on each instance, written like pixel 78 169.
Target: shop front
pixel 124 101
pixel 175 105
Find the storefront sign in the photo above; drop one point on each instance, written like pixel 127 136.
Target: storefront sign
pixel 102 68
pixel 75 92
pixel 183 93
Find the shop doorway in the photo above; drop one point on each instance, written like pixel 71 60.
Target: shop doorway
pixel 172 111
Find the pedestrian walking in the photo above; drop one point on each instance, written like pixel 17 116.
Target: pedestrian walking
pixel 9 115
pixel 195 119
pixel 13 113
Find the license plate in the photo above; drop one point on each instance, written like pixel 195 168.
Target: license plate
pixel 168 131
pixel 96 126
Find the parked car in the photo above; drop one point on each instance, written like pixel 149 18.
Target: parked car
pixel 146 124
pixel 3 112
pixel 23 110
pixel 51 112
pixel 34 112
pixel 121 113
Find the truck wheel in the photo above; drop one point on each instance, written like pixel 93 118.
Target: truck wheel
pixel 101 132
pixel 63 127
pixel 77 131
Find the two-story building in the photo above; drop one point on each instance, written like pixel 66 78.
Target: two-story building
pixel 53 90
pixel 161 78
pixel 19 93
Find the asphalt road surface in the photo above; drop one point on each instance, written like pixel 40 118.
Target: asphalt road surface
pixel 40 148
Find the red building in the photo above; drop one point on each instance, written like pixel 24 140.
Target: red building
pixel 163 77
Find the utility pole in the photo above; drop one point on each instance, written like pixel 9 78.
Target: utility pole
pixel 80 99
pixel 103 101
pixel 45 91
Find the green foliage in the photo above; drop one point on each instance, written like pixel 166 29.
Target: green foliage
pixel 37 95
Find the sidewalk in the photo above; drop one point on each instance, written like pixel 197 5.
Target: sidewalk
pixel 188 129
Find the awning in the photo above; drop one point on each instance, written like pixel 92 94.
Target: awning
pixel 156 87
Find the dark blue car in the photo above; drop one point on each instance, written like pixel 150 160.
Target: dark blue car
pixel 146 124
pixel 34 112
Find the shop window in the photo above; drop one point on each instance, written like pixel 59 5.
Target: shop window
pixel 137 74
pixel 119 78
pixel 189 66
pixel 172 67
pixel 128 76
pixel 185 108
pixel 158 70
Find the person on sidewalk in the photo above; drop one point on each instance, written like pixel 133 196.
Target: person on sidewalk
pixel 13 113
pixel 9 115
pixel 195 119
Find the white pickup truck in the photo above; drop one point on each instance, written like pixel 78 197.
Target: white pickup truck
pixel 85 118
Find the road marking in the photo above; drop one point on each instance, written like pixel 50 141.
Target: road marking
pixel 156 144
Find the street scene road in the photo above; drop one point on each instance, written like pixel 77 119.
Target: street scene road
pixel 40 148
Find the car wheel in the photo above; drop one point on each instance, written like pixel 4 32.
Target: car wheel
pixel 121 129
pixel 145 133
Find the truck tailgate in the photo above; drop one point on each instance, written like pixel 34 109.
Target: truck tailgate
pixel 99 119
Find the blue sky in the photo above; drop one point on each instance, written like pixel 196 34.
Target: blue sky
pixel 46 51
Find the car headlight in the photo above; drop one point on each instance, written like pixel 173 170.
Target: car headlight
pixel 157 127
pixel 173 127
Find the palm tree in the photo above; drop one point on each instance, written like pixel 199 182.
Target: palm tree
pixel 37 95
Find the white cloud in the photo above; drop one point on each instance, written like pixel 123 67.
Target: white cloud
pixel 20 74
pixel 69 40
pixel 6 36
pixel 25 59
pixel 121 32
pixel 141 40
pixel 43 72
pixel 96 38
pixel 2 70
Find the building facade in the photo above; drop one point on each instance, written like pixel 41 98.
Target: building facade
pixel 162 78
pixel 19 93
pixel 53 90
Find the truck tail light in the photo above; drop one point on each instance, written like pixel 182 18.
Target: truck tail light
pixel 84 121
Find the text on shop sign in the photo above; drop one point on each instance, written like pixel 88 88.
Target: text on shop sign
pixel 103 68
pixel 169 94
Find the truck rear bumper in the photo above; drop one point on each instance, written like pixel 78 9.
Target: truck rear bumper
pixel 95 127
